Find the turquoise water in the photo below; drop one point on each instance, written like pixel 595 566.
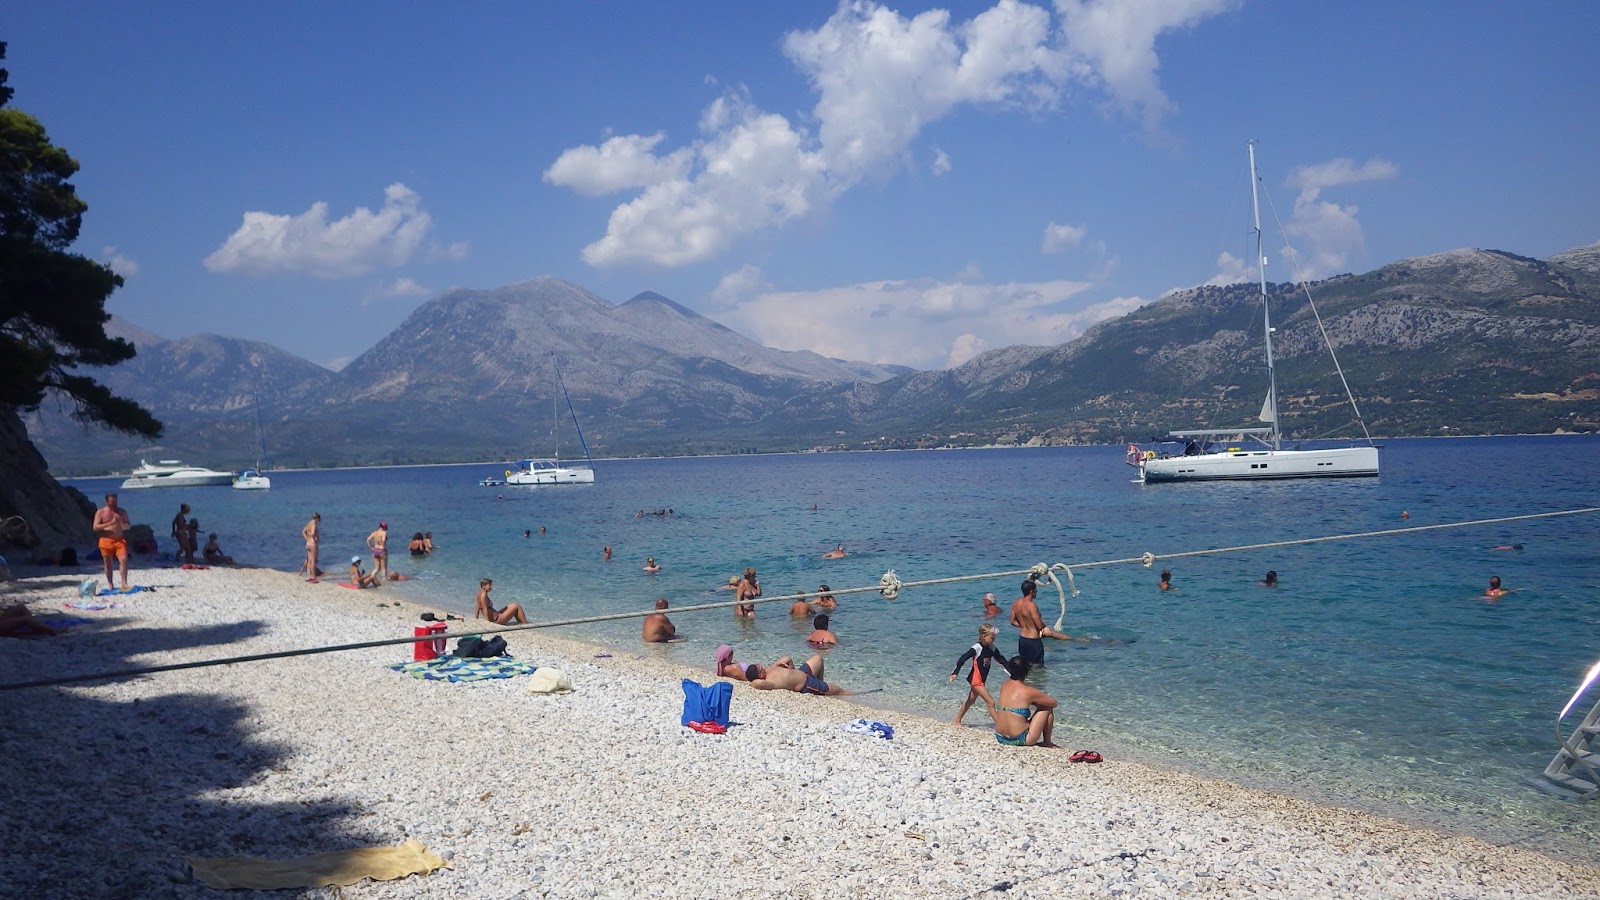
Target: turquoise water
pixel 1374 676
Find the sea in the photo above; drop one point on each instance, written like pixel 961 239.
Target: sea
pixel 1375 676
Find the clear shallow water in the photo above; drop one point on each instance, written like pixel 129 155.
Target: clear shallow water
pixel 1375 676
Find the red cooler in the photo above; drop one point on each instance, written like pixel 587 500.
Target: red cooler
pixel 422 650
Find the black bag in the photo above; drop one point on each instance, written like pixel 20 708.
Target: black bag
pixel 478 647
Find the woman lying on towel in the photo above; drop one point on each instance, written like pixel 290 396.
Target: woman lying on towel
pixel 17 621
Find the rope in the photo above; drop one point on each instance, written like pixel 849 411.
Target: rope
pixel 889 586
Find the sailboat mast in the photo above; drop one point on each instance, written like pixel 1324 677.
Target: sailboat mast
pixel 1266 311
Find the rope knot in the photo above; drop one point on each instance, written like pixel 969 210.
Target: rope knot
pixel 1039 572
pixel 889 585
pixel 1149 559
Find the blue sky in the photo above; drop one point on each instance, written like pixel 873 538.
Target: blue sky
pixel 894 183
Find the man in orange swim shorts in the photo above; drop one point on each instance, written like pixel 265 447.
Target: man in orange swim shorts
pixel 110 521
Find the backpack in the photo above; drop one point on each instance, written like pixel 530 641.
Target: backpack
pixel 478 647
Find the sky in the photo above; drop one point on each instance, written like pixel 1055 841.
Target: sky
pixel 898 183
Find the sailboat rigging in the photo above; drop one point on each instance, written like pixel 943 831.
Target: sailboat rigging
pixel 552 471
pixel 1271 461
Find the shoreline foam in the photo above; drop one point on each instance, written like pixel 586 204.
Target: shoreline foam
pixel 601 792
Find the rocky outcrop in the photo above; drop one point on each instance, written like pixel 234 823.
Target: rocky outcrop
pixel 40 516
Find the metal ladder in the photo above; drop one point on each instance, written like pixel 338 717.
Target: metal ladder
pixel 1576 766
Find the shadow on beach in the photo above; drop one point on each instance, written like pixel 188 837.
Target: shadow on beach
pixel 112 783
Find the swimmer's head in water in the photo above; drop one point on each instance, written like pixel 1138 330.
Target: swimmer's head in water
pixel 661 603
pixel 1028 588
pixel 733 579
pixel 1494 582
pixel 820 623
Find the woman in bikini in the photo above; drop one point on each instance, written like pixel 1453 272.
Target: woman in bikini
pixel 981 654
pixel 748 589
pixel 512 613
pixel 1024 716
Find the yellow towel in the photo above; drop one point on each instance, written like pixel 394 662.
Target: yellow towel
pixel 319 870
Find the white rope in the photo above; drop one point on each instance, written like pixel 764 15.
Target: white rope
pixel 889 586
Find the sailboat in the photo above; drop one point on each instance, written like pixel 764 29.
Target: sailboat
pixel 552 471
pixel 1262 455
pixel 252 479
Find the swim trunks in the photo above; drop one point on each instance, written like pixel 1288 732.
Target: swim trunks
pixel 814 685
pixel 1020 740
pixel 117 547
pixel 1031 650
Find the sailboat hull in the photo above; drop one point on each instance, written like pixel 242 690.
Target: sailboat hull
pixel 1263 465
pixel 540 471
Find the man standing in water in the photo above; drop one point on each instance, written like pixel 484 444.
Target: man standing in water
pixel 313 535
pixel 378 540
pixel 110 521
pixel 1025 615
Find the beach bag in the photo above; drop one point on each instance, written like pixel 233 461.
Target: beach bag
pixel 706 704
pixel 469 647
pixel 495 646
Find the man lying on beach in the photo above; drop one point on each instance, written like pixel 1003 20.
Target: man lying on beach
pixel 512 612
pixel 805 678
pixel 359 578
pixel 658 629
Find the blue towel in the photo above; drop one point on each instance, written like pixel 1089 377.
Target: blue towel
pixel 706 704
pixel 127 590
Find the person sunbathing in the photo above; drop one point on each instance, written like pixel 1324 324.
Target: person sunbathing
pixel 512 612
pixel 727 668
pixel 805 678
pixel 18 621
pixel 213 553
pixel 359 578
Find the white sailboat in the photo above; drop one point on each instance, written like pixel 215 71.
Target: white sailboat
pixel 553 471
pixel 1262 455
pixel 252 479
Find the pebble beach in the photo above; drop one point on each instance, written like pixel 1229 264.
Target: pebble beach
pixel 600 792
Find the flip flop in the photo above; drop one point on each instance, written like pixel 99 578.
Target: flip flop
pixel 1088 756
pixel 1079 756
pixel 708 727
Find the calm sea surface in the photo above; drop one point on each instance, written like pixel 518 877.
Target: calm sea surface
pixel 1375 675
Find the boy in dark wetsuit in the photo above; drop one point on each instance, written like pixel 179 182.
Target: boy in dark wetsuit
pixel 981 654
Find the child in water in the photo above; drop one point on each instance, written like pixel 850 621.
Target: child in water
pixel 981 654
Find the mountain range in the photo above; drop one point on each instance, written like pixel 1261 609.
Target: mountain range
pixel 1463 342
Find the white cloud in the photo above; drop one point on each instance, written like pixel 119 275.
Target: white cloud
pixel 119 262
pixel 400 287
pixel 267 243
pixel 739 285
pixel 1112 43
pixel 1232 270
pixel 927 323
pixel 619 164
pixel 880 79
pixel 1058 238
pixel 338 363
pixel 1330 232
pixel 941 162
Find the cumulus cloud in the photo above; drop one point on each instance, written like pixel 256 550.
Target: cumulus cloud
pixel 941 162
pixel 1058 238
pixel 400 287
pixel 926 323
pixel 619 164
pixel 119 262
pixel 1330 233
pixel 1112 43
pixel 309 244
pixel 880 79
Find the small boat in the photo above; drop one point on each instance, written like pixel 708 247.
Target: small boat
pixel 174 473
pixel 554 471
pixel 1266 458
pixel 251 480
pixel 491 481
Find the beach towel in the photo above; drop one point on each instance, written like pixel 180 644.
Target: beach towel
pixel 127 590
pixel 870 726
pixel 706 704
pixel 59 621
pixel 92 604
pixel 454 669
pixel 549 680
pixel 320 870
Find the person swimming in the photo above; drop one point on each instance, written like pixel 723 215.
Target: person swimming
pixel 820 637
pixel 990 608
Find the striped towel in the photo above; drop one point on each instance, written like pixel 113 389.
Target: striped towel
pixel 453 669
pixel 92 604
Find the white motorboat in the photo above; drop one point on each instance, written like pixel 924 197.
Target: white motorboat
pixel 491 481
pixel 554 471
pixel 1267 458
pixel 174 473
pixel 251 480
